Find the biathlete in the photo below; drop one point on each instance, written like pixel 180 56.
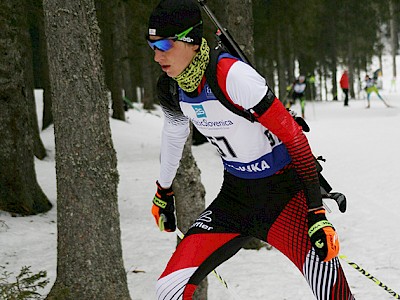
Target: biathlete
pixel 370 88
pixel 270 188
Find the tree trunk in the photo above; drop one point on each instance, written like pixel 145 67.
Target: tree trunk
pixel 89 255
pixel 127 82
pixel 334 79
pixel 40 64
pixel 108 14
pixel 351 69
pixel 19 191
pixel 268 70
pixel 148 78
pixel 38 148
pixel 281 67
pixel 116 82
pixel 190 199
pixel 103 13
pixel 47 117
pixel 240 23
pixel 393 36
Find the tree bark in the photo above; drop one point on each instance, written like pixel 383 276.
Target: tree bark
pixel 116 82
pixel 127 82
pixel 351 70
pixel 393 36
pixel 148 78
pixel 20 192
pixel 38 148
pixel 89 255
pixel 39 54
pixel 47 118
pixel 281 66
pixel 237 18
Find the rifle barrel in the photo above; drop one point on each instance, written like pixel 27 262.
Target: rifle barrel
pixel 224 32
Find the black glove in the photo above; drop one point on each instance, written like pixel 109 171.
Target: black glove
pixel 322 235
pixel 299 120
pixel 163 209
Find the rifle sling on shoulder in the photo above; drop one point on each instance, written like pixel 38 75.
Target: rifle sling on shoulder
pixel 211 75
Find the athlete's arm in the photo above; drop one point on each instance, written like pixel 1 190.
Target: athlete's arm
pixel 174 133
pixel 277 119
pixel 245 87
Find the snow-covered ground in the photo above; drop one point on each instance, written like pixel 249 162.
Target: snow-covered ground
pixel 362 149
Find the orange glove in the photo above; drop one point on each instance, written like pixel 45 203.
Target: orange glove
pixel 323 236
pixel 163 209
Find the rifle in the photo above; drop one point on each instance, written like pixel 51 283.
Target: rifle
pixel 224 38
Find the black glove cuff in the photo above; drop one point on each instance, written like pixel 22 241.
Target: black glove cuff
pixel 313 195
pixel 313 217
pixel 164 192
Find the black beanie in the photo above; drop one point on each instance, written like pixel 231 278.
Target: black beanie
pixel 172 17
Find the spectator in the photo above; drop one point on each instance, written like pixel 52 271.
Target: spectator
pixel 344 85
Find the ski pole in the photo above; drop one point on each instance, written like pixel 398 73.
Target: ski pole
pixel 216 274
pixel 368 275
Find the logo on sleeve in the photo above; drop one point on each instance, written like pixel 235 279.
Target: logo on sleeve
pixel 199 110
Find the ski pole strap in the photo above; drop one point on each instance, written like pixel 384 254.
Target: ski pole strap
pixel 317 226
pixel 368 275
pixel 160 203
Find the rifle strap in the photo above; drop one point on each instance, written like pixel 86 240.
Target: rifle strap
pixel 211 75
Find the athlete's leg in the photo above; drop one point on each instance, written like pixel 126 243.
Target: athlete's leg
pixel 380 97
pixel 212 239
pixel 346 97
pixel 289 235
pixel 195 257
pixel 303 107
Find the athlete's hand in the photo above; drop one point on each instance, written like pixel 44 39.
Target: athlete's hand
pixel 322 234
pixel 163 209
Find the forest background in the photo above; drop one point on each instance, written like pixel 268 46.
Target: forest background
pixel 283 39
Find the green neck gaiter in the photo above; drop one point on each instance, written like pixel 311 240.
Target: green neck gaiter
pixel 191 77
